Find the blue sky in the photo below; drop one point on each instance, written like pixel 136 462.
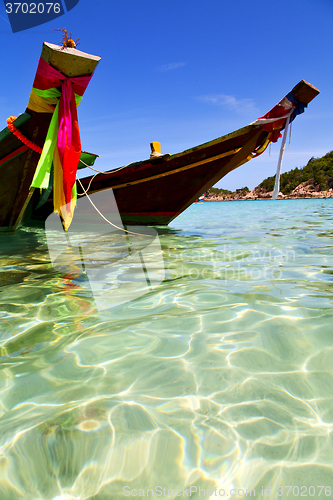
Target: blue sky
pixel 186 72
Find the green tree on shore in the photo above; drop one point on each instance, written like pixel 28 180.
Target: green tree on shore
pixel 318 171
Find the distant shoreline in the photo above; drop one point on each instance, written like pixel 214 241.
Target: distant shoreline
pixel 270 199
pixel 303 191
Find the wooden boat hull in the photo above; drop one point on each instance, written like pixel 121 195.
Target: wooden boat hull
pixel 17 167
pixel 155 191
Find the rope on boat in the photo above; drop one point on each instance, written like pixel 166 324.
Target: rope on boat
pixel 262 121
pixel 279 165
pixel 93 177
pixel 99 172
pixel 100 213
pixel 108 172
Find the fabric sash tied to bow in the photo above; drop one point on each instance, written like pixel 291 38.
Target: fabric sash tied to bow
pixel 62 147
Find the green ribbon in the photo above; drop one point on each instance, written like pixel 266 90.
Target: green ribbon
pixel 41 178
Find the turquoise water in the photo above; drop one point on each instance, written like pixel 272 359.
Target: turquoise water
pixel 219 378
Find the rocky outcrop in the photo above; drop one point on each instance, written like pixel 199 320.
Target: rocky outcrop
pixel 256 194
pixel 305 190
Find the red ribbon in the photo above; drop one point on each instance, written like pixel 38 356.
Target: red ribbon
pixel 275 127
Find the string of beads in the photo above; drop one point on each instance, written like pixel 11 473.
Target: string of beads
pixel 20 136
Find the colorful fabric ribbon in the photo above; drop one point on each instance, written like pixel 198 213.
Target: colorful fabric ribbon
pixel 300 107
pixel 62 146
pixel 273 124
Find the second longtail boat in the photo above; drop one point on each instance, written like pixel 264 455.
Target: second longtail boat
pixel 156 190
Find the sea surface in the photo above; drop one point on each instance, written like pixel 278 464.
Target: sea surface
pixel 215 380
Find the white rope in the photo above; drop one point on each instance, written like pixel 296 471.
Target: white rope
pixel 95 169
pixel 279 165
pixel 85 192
pixel 262 121
pixel 100 172
pixel 100 213
pixel 93 177
pixel 109 171
pixel 285 104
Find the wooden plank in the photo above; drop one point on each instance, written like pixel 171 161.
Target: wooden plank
pixel 304 92
pixel 70 62
pixel 86 159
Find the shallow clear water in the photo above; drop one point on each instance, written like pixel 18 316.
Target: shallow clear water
pixel 220 377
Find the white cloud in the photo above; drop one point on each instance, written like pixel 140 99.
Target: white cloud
pixel 170 66
pixel 239 106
